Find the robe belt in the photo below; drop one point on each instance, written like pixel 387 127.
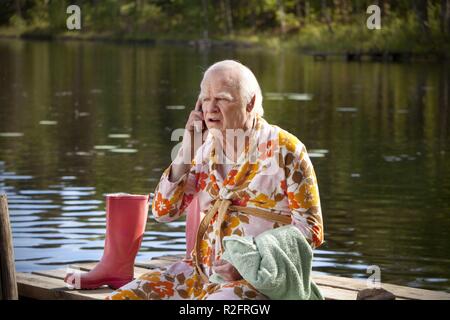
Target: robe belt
pixel 222 206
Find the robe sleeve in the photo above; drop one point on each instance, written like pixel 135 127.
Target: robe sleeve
pixel 172 197
pixel 303 192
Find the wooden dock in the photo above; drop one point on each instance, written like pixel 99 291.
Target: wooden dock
pixel 49 285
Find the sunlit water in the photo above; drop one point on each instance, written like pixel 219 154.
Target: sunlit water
pixel 80 120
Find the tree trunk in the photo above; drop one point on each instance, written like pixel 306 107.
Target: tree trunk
pixel 300 7
pixel 137 13
pixel 205 19
pixel 421 8
pixel 18 6
pixel 445 16
pixel 282 15
pixel 345 10
pixel 228 16
pixel 325 15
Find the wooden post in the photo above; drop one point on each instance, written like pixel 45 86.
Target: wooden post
pixel 8 284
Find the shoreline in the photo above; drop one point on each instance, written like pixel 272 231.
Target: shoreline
pixel 270 42
pixel 98 37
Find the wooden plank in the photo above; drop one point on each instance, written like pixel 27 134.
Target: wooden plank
pixel 138 271
pixel 142 265
pixel 331 293
pixel 153 264
pixel 87 266
pixel 45 288
pixel 170 257
pixel 334 288
pixel 61 273
pixel 56 274
pixel 8 281
pixel 398 291
pixel 39 284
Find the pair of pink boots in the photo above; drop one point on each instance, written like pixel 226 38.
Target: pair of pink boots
pixel 126 217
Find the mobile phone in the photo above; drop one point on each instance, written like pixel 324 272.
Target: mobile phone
pixel 198 107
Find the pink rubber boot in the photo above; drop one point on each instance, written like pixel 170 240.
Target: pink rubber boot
pixel 126 217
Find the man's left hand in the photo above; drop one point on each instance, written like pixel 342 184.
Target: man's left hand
pixel 226 270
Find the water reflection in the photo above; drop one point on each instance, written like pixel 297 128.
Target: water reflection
pixel 80 120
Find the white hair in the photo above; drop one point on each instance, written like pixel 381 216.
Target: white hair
pixel 247 83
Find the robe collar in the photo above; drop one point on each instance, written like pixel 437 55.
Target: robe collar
pixel 240 170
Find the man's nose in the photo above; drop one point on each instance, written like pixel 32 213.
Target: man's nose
pixel 211 106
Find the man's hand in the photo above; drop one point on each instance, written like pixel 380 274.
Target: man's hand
pixel 194 126
pixel 226 270
pixel 196 118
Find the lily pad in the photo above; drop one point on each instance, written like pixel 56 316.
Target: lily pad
pixel 48 122
pixel 347 109
pixel 299 96
pixel 316 155
pixel 104 147
pixel 175 107
pixel 119 135
pixel 11 134
pixel 124 150
pixel 322 151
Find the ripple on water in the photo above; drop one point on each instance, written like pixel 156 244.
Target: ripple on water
pixel 123 150
pixel 82 202
pixel 68 178
pixel 119 135
pixel 28 201
pixel 83 213
pixel 104 147
pixel 48 122
pixel 11 134
pixel 38 192
pixel 347 109
pixel 278 96
pixel 15 218
pixel 79 208
pixel 72 193
pixel 14 177
pixel 178 107
pixel 13 206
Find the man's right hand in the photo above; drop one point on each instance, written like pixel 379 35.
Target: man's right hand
pixel 192 140
pixel 196 118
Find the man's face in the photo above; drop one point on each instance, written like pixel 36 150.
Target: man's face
pixel 222 104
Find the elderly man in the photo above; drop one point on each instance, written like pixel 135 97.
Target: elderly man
pixel 247 176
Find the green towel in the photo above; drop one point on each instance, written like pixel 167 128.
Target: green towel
pixel 277 263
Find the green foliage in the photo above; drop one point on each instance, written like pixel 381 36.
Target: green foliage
pixel 144 18
pixel 104 16
pixel 57 15
pixel 17 22
pixel 39 14
pixel 325 25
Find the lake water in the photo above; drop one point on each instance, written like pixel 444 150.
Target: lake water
pixel 79 120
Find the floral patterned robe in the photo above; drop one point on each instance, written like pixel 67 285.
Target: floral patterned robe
pixel 274 173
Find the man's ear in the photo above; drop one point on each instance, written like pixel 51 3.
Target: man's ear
pixel 251 104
